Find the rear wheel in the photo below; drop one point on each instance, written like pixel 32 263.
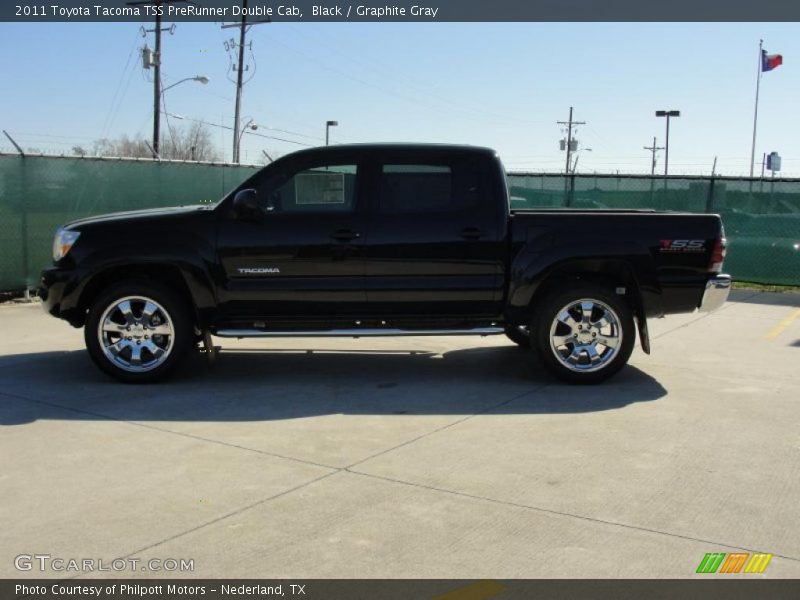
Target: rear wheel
pixel 138 332
pixel 584 334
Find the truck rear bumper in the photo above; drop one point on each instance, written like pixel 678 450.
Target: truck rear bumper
pixel 716 293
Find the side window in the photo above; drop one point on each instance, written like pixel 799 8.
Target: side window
pixel 326 188
pixel 419 188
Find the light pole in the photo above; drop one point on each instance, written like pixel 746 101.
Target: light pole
pixel 328 126
pixel 668 114
pixel 157 122
pixel 252 125
pixel 577 156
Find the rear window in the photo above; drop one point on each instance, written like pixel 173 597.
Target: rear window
pixel 417 188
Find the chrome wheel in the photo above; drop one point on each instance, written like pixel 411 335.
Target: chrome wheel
pixel 136 334
pixel 585 335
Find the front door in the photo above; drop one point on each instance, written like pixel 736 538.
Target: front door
pixel 302 254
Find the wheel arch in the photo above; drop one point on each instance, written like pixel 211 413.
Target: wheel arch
pixel 617 273
pixel 172 276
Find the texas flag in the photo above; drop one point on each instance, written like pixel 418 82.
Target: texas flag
pixel 770 61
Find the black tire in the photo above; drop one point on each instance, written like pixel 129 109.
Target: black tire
pixel 172 310
pixel 583 370
pixel 519 335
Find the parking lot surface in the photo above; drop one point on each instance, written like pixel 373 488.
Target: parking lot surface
pixel 408 457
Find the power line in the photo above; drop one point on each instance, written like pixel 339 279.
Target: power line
pixel 261 135
pixel 383 70
pixel 114 106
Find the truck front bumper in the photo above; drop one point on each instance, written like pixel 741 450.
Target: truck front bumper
pixel 716 293
pixel 59 290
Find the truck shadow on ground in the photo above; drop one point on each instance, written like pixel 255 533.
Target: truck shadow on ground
pixel 748 296
pixel 274 384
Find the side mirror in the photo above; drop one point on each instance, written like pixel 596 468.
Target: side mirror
pixel 245 203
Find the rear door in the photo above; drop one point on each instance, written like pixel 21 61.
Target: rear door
pixel 435 246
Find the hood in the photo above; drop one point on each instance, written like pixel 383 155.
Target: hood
pixel 131 215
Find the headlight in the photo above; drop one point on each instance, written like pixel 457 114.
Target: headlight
pixel 63 242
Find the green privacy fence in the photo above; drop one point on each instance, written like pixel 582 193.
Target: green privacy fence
pixel 39 193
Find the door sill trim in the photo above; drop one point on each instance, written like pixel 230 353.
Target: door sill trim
pixel 355 333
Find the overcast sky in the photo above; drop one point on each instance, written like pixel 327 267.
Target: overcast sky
pixel 499 85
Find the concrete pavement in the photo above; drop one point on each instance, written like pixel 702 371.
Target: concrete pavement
pixel 408 457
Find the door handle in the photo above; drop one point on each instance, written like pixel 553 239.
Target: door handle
pixel 471 233
pixel 345 235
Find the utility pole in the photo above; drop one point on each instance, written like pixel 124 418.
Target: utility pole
pixel 157 81
pixel 239 74
pixel 654 148
pixel 569 125
pixel 156 64
pixel 240 77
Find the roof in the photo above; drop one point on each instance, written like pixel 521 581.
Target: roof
pixel 396 147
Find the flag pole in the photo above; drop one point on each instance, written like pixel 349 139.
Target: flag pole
pixel 755 115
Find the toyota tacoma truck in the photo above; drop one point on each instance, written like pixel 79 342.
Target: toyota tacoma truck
pixel 380 240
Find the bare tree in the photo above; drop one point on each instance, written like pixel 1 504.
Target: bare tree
pixel 186 143
pixel 123 147
pixel 191 143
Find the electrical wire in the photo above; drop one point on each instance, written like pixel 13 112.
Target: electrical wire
pixel 115 101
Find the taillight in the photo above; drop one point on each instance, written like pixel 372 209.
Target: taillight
pixel 718 255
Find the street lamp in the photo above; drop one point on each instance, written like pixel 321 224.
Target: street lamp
pixel 577 156
pixel 328 126
pixel 668 114
pixel 199 78
pixel 252 125
pixel 157 113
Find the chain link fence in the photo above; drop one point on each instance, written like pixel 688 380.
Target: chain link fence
pixel 39 193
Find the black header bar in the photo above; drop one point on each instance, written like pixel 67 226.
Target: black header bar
pixel 403 10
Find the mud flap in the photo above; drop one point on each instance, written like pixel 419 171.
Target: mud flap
pixel 644 334
pixel 208 348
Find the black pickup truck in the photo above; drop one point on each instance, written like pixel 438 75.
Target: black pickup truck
pixel 380 240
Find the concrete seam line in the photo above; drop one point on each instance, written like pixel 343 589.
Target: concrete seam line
pixel 559 513
pixel 226 516
pixel 448 426
pixel 170 431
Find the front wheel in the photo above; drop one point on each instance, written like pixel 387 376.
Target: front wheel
pixel 138 332
pixel 584 334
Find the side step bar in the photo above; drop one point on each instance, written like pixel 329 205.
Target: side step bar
pixel 355 333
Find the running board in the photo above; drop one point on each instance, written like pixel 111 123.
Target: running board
pixel 355 333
